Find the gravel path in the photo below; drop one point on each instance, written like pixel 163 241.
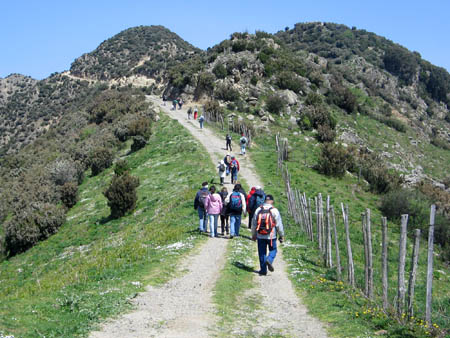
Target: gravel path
pixel 183 307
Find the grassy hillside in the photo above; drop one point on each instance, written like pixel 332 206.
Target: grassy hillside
pixel 326 298
pixel 93 266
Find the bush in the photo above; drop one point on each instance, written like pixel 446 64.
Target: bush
pixel 377 175
pixel 325 134
pixel 254 80
pixel 304 123
pixel 205 84
pixel 288 80
pixel 100 159
pixel 226 93
pixel 121 194
pixel 63 171
pixel 275 104
pixel 30 225
pixel 69 194
pixel 220 71
pixel 140 127
pixel 334 160
pixel 121 167
pixel 139 142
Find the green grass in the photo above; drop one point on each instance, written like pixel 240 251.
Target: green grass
pixel 326 299
pixel 91 268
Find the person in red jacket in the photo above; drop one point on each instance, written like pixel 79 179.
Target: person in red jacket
pixel 250 216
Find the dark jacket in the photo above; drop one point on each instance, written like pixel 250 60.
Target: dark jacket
pixel 252 201
pixel 197 203
pixel 223 195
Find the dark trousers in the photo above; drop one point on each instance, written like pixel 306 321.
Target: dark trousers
pixel 250 217
pixel 224 223
pixel 262 252
pixel 229 145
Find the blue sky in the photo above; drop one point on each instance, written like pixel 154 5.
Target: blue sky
pixel 38 38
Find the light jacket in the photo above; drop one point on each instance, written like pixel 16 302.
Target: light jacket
pixel 244 207
pixel 213 204
pixel 277 230
pixel 222 173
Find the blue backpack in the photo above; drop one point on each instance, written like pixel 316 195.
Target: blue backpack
pixel 259 201
pixel 235 204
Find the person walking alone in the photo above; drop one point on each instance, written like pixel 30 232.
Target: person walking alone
pixel 174 104
pixel 201 119
pixel 224 216
pixel 195 113
pixel 199 205
pixel 213 207
pixel 236 207
pixel 222 171
pixel 228 142
pixel 189 113
pixel 243 142
pixel 266 227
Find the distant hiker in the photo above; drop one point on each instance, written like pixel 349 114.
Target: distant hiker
pixel 224 216
pixel 235 202
pixel 180 103
pixel 174 104
pixel 234 165
pixel 256 200
pixel 195 113
pixel 266 226
pixel 243 142
pixel 213 207
pixel 199 205
pixel 164 100
pixel 189 112
pixel 227 161
pixel 250 193
pixel 222 170
pixel 228 141
pixel 201 119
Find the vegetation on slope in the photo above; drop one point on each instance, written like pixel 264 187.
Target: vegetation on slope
pixel 94 265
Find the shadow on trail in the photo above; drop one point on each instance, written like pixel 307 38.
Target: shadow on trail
pixel 244 267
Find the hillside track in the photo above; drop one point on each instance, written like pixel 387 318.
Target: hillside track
pixel 184 307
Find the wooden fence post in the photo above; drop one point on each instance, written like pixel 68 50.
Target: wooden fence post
pixel 369 254
pixel 384 265
pixel 336 246
pixel 316 202
pixel 310 219
pixel 430 265
pixel 350 267
pixel 328 246
pixel 366 255
pixel 413 272
pixel 401 266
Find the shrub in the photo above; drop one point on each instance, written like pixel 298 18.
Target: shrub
pixel 121 167
pixel 220 71
pixel 275 104
pixel 63 171
pixel 100 159
pixel 334 160
pixel 30 225
pixel 254 80
pixel 140 127
pixel 139 142
pixel 440 143
pixel 205 84
pixel 288 80
pixel 69 194
pixel 377 175
pixel 121 194
pixel 226 93
pixel 325 133
pixel 304 123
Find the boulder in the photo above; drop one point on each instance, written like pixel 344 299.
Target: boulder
pixel 293 120
pixel 264 118
pixel 271 119
pixel 289 96
pixel 251 117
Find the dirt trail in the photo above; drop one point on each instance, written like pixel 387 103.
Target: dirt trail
pixel 183 307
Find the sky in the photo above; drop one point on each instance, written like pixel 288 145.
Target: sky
pixel 38 38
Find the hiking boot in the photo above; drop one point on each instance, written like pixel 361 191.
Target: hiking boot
pixel 269 266
pixel 231 236
pixel 262 273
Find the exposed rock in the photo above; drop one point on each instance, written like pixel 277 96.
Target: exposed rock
pixel 271 119
pixel 251 117
pixel 349 136
pixel 293 120
pixel 289 96
pixel 264 118
pixel 385 145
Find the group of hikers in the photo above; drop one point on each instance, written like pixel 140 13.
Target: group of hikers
pixel 243 141
pixel 264 219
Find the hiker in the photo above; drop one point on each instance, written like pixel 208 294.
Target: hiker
pixel 224 216
pixel 227 161
pixel 201 119
pixel 180 103
pixel 199 205
pixel 235 202
pixel 266 226
pixel 256 200
pixel 228 141
pixel 164 100
pixel 213 207
pixel 222 170
pixel 174 104
pixel 189 112
pixel 243 142
pixel 195 113
pixel 234 165
pixel 250 194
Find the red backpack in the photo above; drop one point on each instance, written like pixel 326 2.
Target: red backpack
pixel 265 221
